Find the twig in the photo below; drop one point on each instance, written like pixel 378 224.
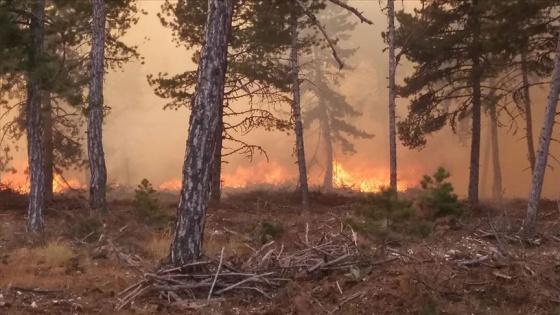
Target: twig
pixel 243 281
pixel 217 273
pixel 322 29
pixel 474 261
pixel 357 13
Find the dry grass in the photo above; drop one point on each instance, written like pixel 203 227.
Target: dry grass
pixel 157 247
pixel 41 266
pixel 214 241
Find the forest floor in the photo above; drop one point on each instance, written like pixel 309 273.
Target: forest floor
pixel 476 265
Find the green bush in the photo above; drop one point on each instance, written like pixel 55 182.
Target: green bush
pixel 439 196
pixel 86 228
pixel 381 213
pixel 147 207
pixel 267 231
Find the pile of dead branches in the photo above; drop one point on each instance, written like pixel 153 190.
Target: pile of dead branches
pixel 266 270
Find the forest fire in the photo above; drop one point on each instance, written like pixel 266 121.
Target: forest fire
pixel 20 182
pixel 369 180
pixel 366 179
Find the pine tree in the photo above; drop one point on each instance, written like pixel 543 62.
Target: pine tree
pixel 65 70
pixel 452 43
pixel 331 109
pixel 530 223
pixel 33 118
pixel 187 238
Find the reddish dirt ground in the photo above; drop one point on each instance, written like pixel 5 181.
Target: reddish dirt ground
pixel 461 268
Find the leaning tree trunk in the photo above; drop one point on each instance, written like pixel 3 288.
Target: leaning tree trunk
pixel 296 110
pixel 528 111
pixel 48 145
pixel 392 97
pixel 497 189
pixel 530 223
pixel 187 239
pixel 216 172
pixel 33 123
pixel 98 181
pixel 476 111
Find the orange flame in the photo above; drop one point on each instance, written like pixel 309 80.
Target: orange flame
pixel 360 178
pixel 368 180
pixel 20 182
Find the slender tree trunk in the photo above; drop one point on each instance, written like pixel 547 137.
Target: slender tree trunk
pixel 528 110
pixel 48 145
pixel 216 173
pixel 187 239
pixel 476 78
pixel 296 109
pixel 98 183
pixel 325 123
pixel 530 223
pixel 329 154
pixel 392 96
pixel 485 159
pixel 497 189
pixel 33 115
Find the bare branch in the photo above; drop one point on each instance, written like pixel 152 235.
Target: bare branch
pixel 357 13
pixel 322 29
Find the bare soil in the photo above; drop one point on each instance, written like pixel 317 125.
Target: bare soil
pixel 477 265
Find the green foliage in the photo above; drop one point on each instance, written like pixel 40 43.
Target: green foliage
pixel 86 228
pixel 147 207
pixel 439 196
pixel 267 231
pixel 382 213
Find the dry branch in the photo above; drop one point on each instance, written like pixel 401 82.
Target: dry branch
pixel 357 13
pixel 269 268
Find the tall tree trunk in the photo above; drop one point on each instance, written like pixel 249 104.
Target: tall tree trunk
pixel 325 123
pixel 392 96
pixel 216 172
pixel 485 163
pixel 530 223
pixel 476 112
pixel 296 109
pixel 528 111
pixel 98 184
pixel 187 239
pixel 497 189
pixel 33 115
pixel 48 145
pixel 329 154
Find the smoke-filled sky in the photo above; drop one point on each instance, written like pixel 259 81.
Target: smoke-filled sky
pixel 144 141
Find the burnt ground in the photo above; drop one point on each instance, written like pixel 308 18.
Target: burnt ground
pixel 475 265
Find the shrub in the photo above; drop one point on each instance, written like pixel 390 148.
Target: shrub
pixel 439 196
pixel 86 228
pixel 147 207
pixel 267 231
pixel 381 213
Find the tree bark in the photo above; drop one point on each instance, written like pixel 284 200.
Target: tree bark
pixel 216 172
pixel 98 181
pixel 530 223
pixel 296 111
pixel 497 189
pixel 392 97
pixel 33 123
pixel 528 111
pixel 476 112
pixel 48 145
pixel 188 235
